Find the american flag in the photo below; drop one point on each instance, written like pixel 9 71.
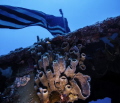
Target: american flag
pixel 18 18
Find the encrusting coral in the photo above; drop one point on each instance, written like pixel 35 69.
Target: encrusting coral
pixel 58 74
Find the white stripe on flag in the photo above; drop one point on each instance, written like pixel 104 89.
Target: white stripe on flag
pixel 6 23
pixel 14 17
pixel 55 27
pixel 31 14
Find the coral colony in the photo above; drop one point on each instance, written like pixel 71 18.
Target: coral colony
pixel 60 73
pixel 65 66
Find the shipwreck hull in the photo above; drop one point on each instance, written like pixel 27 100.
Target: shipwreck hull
pixel 79 67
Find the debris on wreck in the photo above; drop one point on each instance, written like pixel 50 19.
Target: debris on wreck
pixel 22 81
pixel 80 66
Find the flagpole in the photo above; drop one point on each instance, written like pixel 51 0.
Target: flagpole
pixel 38 39
pixel 63 19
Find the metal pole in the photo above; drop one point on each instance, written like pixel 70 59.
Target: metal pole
pixel 38 39
pixel 63 19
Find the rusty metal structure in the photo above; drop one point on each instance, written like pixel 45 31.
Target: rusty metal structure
pixel 78 67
